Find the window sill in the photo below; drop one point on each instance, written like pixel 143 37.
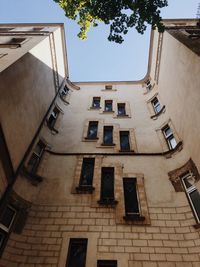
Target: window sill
pixel 126 151
pixel 95 108
pixel 107 145
pixel 111 111
pixel 196 226
pixel 91 139
pixel 134 217
pixel 154 117
pixel 108 202
pixel 170 152
pixel 122 116
pixel 85 189
pixel 32 177
pixel 52 129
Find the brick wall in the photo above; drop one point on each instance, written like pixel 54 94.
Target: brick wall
pixel 170 240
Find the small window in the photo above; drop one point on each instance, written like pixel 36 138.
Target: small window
pixel 65 91
pixel 124 141
pixel 131 198
pixel 7 218
pixel 77 253
pixel 148 85
pixel 108 135
pixel 193 195
pixel 156 105
pixel 92 130
pixel 87 173
pixel 96 102
pixel 106 263
pixel 169 137
pixel 36 157
pixel 53 117
pixel 107 185
pixel 108 106
pixel 108 87
pixel 121 109
pixel 6 221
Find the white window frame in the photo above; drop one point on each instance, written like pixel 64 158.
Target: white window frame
pixel 155 99
pixel 169 137
pixel 189 191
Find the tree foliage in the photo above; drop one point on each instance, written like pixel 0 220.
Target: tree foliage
pixel 120 14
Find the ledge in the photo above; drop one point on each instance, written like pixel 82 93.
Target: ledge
pixel 107 202
pixel 88 189
pixel 32 177
pixel 108 145
pixel 158 114
pixel 170 152
pixel 126 151
pixel 95 108
pixel 63 99
pixel 91 139
pixel 112 111
pixel 121 116
pixel 134 217
pixel 196 226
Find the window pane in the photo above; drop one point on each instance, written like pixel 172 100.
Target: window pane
pixel 2 237
pixel 107 184
pixel 8 216
pixel 33 163
pixel 121 109
pixel 108 105
pixel 130 196
pixel 195 197
pixel 156 105
pixel 189 181
pixel 92 129
pixel 96 102
pixel 124 141
pixel 167 131
pixel 108 135
pixel 87 172
pixel 172 142
pixel 106 263
pixel 77 253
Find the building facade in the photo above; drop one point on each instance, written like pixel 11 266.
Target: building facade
pixel 99 174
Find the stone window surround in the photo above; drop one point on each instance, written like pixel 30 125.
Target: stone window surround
pixel 127 109
pixel 168 153
pixel 90 107
pixel 154 115
pixel 109 90
pixel 116 135
pixel 142 201
pixel 175 178
pixel 57 125
pixel 145 87
pixel 78 169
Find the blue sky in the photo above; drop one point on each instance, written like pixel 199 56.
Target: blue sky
pixel 95 59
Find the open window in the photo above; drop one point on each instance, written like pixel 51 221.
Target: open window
pixel 96 102
pixel 77 252
pixel 192 193
pixel 6 221
pixel 52 119
pixel 86 179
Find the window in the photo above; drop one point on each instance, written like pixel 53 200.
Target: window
pixel 193 195
pixel 169 137
pixel 148 85
pixel 108 135
pixel 87 173
pixel 53 117
pixel 108 87
pixel 156 105
pixel 106 263
pixel 107 186
pixel 108 106
pixel 64 91
pixel 96 102
pixel 35 158
pixel 77 252
pixel 132 209
pixel 92 130
pixel 6 222
pixel 193 33
pixel 124 141
pixel 121 109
